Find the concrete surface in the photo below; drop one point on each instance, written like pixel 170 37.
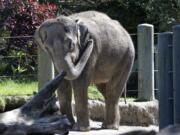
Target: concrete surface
pixel 96 130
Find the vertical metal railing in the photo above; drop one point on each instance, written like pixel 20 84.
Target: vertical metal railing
pixel 165 79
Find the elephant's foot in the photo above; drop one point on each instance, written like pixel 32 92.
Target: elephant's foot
pixel 78 127
pixel 110 126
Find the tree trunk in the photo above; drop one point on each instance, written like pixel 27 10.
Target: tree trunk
pixel 34 117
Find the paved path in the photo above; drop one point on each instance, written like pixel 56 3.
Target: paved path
pixel 122 129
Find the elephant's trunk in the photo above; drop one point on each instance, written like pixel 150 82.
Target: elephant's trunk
pixel 74 71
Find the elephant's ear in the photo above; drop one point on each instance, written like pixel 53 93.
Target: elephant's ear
pixel 39 37
pixel 83 35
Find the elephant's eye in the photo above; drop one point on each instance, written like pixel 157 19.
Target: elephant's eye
pixel 66 29
pixel 71 47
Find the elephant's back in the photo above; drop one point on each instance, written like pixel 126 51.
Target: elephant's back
pixel 111 38
pixel 91 15
pixel 103 27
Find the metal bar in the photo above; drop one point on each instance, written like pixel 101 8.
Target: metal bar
pixel 176 68
pixel 165 79
pixel 29 36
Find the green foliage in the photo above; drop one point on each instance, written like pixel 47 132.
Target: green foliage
pixel 18 20
pixel 164 13
pixel 50 1
pixel 18 88
pixel 130 13
pixel 94 94
pixel 21 87
pixel 28 87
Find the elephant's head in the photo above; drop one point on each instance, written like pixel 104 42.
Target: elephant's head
pixel 67 42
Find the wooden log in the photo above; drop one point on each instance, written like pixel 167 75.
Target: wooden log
pixel 33 117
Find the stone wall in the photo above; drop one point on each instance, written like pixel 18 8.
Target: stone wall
pixel 132 113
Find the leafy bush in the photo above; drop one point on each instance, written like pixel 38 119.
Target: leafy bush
pixel 19 19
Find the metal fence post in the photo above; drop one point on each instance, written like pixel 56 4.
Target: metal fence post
pixel 165 79
pixel 45 68
pixel 176 69
pixel 145 62
pixel 156 84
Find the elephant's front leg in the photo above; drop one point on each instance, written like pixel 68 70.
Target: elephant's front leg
pixel 65 95
pixel 80 87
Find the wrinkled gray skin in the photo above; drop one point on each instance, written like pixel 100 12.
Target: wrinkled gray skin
pixel 91 48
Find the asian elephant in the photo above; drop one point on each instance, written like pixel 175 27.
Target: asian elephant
pixel 92 49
